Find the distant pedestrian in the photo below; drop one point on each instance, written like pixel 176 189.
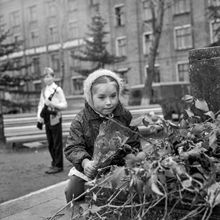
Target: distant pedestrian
pixel 101 90
pixel 52 101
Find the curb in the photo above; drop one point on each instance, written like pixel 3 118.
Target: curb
pixel 33 199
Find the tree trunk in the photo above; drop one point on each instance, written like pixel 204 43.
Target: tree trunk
pixel 147 92
pixel 157 24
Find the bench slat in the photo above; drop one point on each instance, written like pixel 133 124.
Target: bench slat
pixel 22 127
pixel 30 130
pixel 28 138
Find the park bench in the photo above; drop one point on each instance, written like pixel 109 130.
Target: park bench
pixel 21 128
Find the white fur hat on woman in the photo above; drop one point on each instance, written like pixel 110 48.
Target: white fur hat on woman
pixel 95 75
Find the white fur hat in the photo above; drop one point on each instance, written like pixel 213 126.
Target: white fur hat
pixel 95 75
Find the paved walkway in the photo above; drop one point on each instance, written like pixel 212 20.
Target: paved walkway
pixel 38 205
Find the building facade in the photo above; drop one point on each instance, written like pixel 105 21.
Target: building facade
pixel 51 29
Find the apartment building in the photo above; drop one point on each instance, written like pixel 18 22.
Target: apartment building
pixel 51 29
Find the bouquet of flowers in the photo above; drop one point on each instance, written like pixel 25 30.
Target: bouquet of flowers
pixel 109 142
pixel 108 145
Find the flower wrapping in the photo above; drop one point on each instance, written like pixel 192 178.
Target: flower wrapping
pixel 111 138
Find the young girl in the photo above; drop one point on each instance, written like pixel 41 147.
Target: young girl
pixel 101 90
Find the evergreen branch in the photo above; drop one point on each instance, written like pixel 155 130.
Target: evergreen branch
pixel 94 50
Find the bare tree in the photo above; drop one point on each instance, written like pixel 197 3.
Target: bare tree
pixel 157 10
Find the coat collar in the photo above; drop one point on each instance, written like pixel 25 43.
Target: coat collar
pixel 119 111
pixel 52 86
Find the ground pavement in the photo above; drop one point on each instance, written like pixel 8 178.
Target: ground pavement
pixel 41 204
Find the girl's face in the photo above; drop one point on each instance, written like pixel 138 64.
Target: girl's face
pixel 48 79
pixel 105 97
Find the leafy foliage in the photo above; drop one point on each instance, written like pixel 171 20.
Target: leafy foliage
pixel 93 52
pixel 177 169
pixel 175 176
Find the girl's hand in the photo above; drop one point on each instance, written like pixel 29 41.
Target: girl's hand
pixel 89 167
pixel 41 120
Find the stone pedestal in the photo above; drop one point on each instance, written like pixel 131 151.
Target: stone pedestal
pixel 204 69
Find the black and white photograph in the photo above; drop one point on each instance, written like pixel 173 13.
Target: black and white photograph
pixel 110 109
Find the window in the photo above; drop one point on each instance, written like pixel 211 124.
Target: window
pixel 33 27
pixel 15 25
pixel 72 5
pixel 2 24
pixel 52 28
pixel 52 22
pixel 215 31
pixel 93 2
pixel 18 38
pixel 33 13
pixel 181 6
pixel 156 73
pixel 51 7
pixel 73 15
pixel 53 34
pixel 15 18
pixel 34 37
pixel 17 64
pixel 95 5
pixel 35 66
pixel 16 29
pixel 77 82
pixel 37 85
pixel 182 71
pixel 214 3
pixel 147 38
pixel 183 37
pixel 73 30
pixel 55 61
pixel 121 46
pixel 147 15
pixel 72 10
pixel 119 15
pixel 75 63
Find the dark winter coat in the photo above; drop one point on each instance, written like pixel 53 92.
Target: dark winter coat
pixel 85 128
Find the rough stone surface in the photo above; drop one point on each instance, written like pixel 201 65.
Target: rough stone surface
pixel 204 53
pixel 204 70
